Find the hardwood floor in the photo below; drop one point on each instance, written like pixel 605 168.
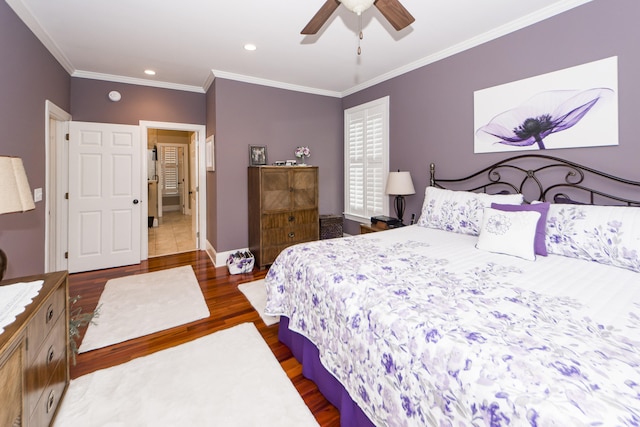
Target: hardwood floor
pixel 227 305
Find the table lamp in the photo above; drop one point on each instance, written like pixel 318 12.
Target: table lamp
pixel 399 184
pixel 15 193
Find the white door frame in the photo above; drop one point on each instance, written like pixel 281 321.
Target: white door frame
pixel 56 185
pixel 201 185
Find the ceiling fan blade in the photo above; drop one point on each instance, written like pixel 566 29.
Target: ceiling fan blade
pixel 395 13
pixel 320 17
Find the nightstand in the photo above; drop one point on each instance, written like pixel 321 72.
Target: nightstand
pixel 370 228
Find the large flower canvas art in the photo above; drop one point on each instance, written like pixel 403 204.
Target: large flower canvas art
pixel 574 107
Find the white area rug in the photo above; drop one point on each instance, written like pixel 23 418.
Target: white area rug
pixel 142 304
pixel 229 378
pixel 256 293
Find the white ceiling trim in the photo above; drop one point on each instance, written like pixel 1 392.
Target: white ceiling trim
pixel 273 83
pixel 135 81
pixel 471 43
pixel 24 12
pixel 36 28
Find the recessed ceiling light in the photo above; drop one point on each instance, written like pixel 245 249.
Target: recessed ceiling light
pixel 150 72
pixel 250 46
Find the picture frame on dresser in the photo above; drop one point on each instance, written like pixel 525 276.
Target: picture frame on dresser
pixel 257 155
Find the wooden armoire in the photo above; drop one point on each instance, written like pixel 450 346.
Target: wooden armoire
pixel 283 209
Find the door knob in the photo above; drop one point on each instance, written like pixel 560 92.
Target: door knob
pixel 135 201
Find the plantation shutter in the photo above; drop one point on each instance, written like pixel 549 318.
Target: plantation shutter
pixel 169 159
pixel 366 160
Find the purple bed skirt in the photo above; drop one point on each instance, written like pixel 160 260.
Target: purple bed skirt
pixel 307 354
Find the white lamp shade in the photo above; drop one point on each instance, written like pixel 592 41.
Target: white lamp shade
pixel 400 184
pixel 357 6
pixel 15 193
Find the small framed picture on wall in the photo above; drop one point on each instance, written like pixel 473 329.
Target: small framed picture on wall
pixel 210 154
pixel 257 155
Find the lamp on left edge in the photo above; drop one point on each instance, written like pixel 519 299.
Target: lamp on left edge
pixel 15 193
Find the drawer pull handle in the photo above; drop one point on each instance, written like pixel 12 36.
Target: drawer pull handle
pixel 292 218
pixel 292 234
pixel 51 400
pixel 49 313
pixel 50 355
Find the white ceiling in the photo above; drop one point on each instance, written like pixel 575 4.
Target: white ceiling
pixel 188 42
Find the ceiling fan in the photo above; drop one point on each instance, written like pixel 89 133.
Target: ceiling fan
pixel 392 10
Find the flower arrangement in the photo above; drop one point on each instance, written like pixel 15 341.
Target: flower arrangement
pixel 302 153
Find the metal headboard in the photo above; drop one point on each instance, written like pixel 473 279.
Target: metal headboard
pixel 546 178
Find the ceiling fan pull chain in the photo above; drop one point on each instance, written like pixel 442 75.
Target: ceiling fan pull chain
pixel 360 36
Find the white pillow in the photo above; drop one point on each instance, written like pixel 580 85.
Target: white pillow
pixel 510 233
pixel 604 234
pixel 459 211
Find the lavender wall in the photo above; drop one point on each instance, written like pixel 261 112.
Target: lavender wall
pixel 432 107
pixel 90 103
pixel 248 114
pixel 212 177
pixel 29 76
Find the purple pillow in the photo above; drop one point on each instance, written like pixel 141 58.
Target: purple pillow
pixel 539 244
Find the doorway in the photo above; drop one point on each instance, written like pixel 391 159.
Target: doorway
pixel 170 182
pixel 171 225
pixel 57 185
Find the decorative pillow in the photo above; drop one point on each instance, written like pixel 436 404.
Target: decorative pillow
pixel 510 233
pixel 605 234
pixel 459 211
pixel 540 246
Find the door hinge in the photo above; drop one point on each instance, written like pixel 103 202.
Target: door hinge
pixel 66 136
pixel 66 255
pixel 198 235
pixel 66 196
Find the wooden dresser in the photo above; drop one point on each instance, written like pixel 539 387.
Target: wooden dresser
pixel 283 209
pixel 34 355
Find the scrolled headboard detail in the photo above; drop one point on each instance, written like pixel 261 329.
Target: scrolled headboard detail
pixel 546 178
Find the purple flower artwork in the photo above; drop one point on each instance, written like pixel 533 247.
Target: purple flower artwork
pixel 542 115
pixel 573 107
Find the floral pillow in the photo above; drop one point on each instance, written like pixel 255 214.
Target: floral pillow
pixel 459 211
pixel 540 245
pixel 604 234
pixel 509 233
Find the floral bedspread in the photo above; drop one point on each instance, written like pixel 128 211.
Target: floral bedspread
pixel 417 344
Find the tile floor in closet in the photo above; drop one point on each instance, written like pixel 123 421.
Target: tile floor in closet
pixel 173 235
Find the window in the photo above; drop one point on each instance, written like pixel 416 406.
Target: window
pixel 169 170
pixel 366 154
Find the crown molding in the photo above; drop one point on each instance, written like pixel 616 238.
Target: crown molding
pixel 495 33
pixel 135 81
pixel 273 83
pixel 25 14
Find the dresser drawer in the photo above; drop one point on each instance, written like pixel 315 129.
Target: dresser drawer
pixel 46 406
pixel 47 360
pixel 44 320
pixel 11 388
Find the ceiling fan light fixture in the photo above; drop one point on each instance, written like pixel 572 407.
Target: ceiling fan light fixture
pixel 357 6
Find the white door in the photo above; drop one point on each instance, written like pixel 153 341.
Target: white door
pixel 104 196
pixel 193 179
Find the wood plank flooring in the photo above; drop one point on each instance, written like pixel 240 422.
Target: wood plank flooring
pixel 228 308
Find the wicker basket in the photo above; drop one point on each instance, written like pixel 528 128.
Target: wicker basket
pixel 330 226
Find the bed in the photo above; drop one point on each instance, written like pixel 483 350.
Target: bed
pixel 491 310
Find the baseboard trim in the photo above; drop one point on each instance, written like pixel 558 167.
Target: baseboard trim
pixel 219 259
